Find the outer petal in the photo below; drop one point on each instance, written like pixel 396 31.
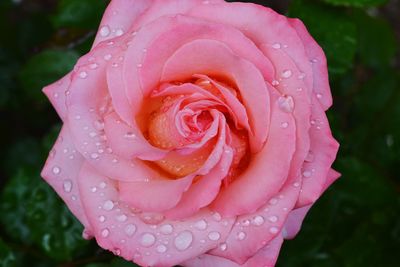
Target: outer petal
pixel 55 92
pixel 119 17
pixel 267 171
pixel 319 65
pixel 61 172
pixel 294 221
pixel 322 153
pixel 166 243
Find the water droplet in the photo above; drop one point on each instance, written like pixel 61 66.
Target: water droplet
pixel 310 157
pixel 296 184
pixel 130 135
pixel 217 216
pixel 286 74
pixel 83 74
pixel 122 218
pixel 130 229
pixel 223 246
pixel 117 252
pixel 273 218
pixel 161 249
pixel 166 229
pixel 214 236
pixel 273 230
pixel 301 76
pixel 93 66
pixel 183 240
pixel 307 174
pixel 105 232
pixel 108 205
pixel 147 240
pixel 201 225
pixel 94 155
pixel 92 134
pixel 258 220
pixel 139 65
pixel 275 83
pixel 107 57
pixel 286 103
pixel 93 189
pixel 319 96
pixel 245 222
pixel 67 185
pixel 119 32
pixel 241 235
pixel 102 218
pixel 56 170
pixel 276 46
pixel 104 31
pixel 273 201
pixel 102 185
pixel 284 125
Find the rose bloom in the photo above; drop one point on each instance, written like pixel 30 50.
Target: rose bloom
pixel 194 132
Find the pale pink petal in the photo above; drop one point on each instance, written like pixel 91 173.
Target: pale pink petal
pixel 165 243
pixel 214 58
pixel 55 92
pixel 203 191
pixel 294 221
pixel 268 170
pixel 207 260
pixel 86 113
pixel 119 17
pixel 332 177
pixel 250 20
pixel 266 256
pixel 128 142
pixel 61 172
pixel 322 153
pixel 319 65
pixel 254 230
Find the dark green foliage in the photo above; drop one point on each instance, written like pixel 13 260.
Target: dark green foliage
pixel 355 224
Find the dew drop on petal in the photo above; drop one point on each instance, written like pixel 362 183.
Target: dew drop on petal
pixel 286 103
pixel 286 74
pixel 104 31
pixel 273 230
pixel 307 174
pixel 147 240
pixel 83 74
pixel 130 229
pixel 284 125
pixel 201 225
pixel 241 235
pixel 122 218
pixel 214 236
pixel 166 229
pixel 105 232
pixel 223 246
pixel 67 185
pixel 56 170
pixel 102 218
pixel 258 220
pixel 161 249
pixel 276 45
pixel 108 205
pixel 273 218
pixel 183 240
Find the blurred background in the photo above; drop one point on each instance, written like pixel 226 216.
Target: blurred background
pixel 356 223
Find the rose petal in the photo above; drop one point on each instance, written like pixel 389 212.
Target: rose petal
pixel 204 191
pixel 166 243
pixel 319 65
pixel 294 221
pixel 214 58
pixel 128 142
pixel 268 170
pixel 61 172
pixel 119 16
pixel 55 92
pixel 322 153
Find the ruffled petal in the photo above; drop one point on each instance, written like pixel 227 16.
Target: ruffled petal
pixel 119 17
pixel 317 57
pixel 61 172
pixel 55 92
pixel 214 58
pixel 294 221
pixel 322 153
pixel 118 229
pixel 268 170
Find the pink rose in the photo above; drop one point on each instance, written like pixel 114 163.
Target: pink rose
pixel 194 132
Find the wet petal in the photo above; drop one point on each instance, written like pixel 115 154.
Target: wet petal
pixel 55 92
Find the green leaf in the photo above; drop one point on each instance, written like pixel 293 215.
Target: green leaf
pixel 332 29
pixel 45 68
pixel 33 214
pixel 79 14
pixel 356 3
pixel 377 42
pixel 7 257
